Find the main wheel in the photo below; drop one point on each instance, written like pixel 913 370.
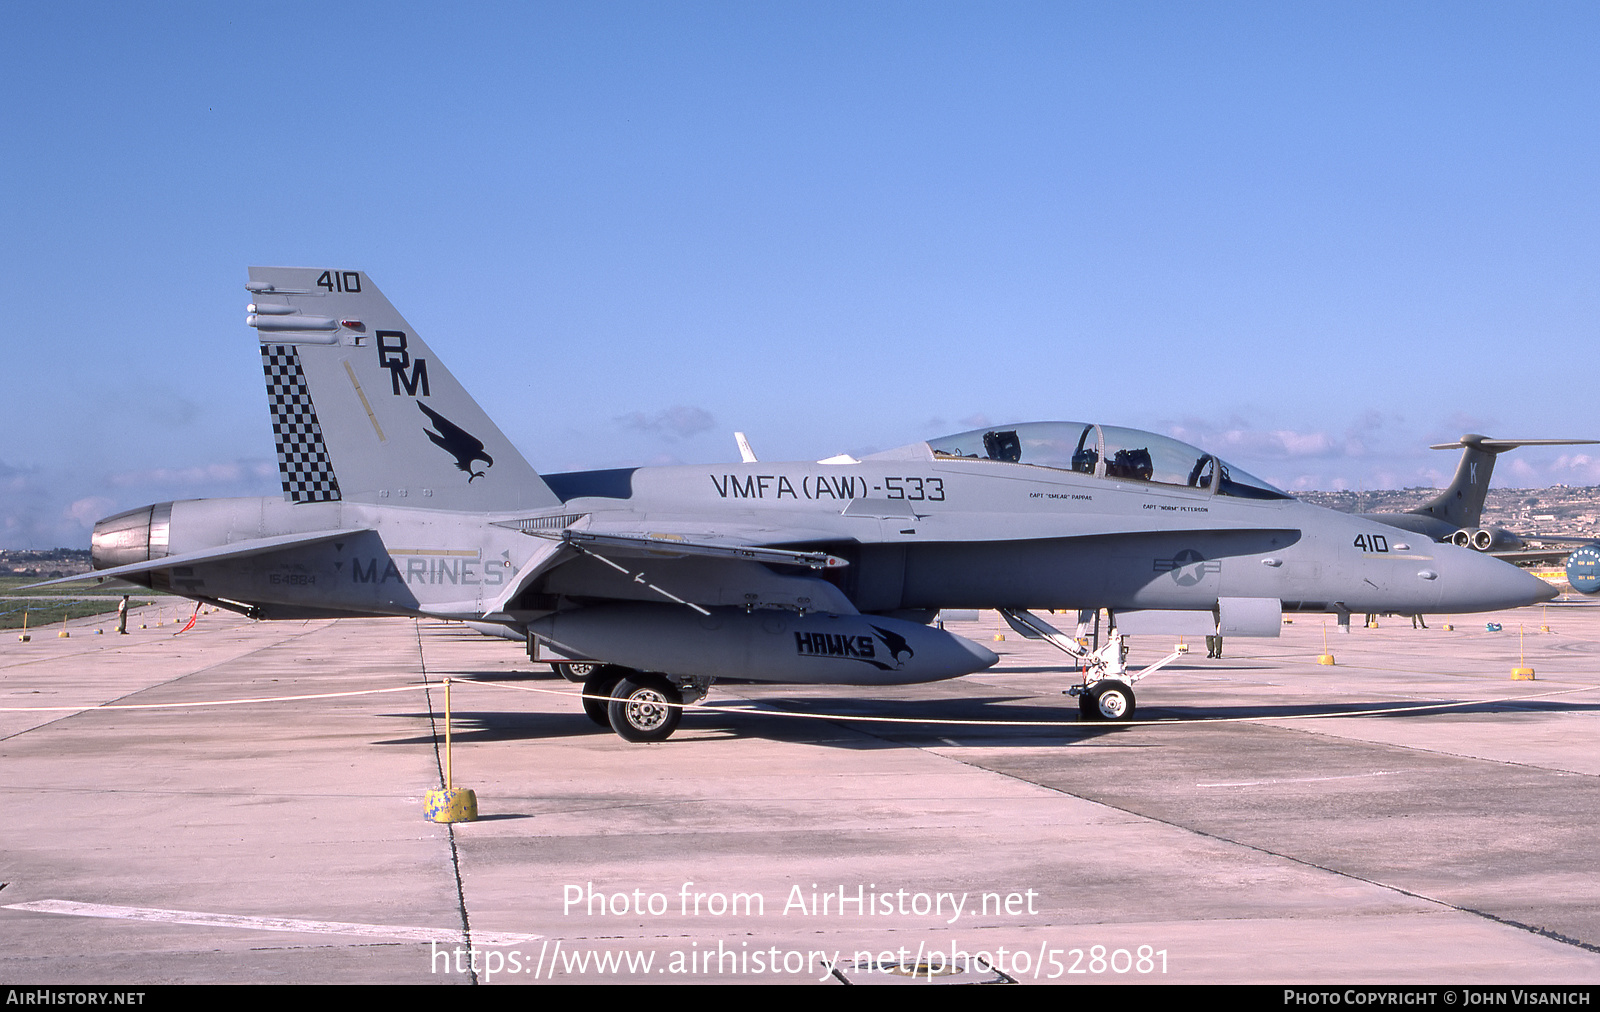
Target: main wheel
pixel 601 682
pixel 575 671
pixel 645 708
pixel 1113 700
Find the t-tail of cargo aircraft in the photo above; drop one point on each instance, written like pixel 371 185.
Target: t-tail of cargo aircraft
pixel 1461 504
pixel 1455 514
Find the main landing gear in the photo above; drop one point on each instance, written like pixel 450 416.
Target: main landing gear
pixel 645 708
pixel 640 706
pixel 1107 689
pixel 575 671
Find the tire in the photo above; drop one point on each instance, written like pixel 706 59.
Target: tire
pixel 645 708
pixel 575 671
pixel 601 682
pixel 1086 707
pixel 1113 700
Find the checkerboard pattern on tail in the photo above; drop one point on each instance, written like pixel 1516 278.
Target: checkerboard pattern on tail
pixel 302 457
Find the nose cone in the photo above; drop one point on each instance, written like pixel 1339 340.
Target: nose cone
pixel 1472 581
pixel 1545 592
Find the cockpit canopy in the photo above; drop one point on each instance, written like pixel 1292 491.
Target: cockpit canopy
pixel 1106 451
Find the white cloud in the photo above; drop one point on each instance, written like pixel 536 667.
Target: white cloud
pixel 677 422
pixel 230 472
pixel 1523 473
pixel 1575 469
pixel 56 507
pixel 1270 444
pixel 89 510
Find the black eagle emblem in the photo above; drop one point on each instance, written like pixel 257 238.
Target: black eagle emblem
pixel 897 645
pixel 457 442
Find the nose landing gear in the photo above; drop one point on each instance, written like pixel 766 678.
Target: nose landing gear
pixel 1107 689
pixel 1107 699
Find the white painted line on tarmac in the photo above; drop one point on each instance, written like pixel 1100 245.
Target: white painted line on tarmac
pixel 403 933
pixel 1305 780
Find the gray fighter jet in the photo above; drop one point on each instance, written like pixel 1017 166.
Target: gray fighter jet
pixel 401 497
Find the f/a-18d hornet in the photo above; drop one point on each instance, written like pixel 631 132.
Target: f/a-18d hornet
pixel 401 497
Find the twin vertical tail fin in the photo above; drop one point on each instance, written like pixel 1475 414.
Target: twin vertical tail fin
pixel 362 410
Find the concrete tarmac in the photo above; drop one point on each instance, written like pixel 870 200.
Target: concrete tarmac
pixel 1408 815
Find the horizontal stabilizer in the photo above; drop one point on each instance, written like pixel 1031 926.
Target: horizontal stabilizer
pixel 1488 445
pixel 237 550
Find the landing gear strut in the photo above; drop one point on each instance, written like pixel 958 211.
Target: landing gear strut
pixel 1107 689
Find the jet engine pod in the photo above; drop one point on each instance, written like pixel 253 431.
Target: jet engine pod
pixel 1487 539
pixel 1583 569
pixel 763 645
pixel 1495 539
pixel 135 536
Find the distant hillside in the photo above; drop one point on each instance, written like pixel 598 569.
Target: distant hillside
pixel 44 563
pixel 1562 509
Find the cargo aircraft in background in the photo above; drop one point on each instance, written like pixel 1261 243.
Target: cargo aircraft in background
pixel 401 497
pixel 1456 514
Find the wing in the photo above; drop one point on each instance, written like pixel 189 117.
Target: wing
pixel 1536 556
pixel 692 566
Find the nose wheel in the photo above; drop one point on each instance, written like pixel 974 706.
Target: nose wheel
pixel 1107 689
pixel 1108 699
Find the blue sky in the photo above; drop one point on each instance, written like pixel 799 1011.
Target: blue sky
pixel 1312 237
